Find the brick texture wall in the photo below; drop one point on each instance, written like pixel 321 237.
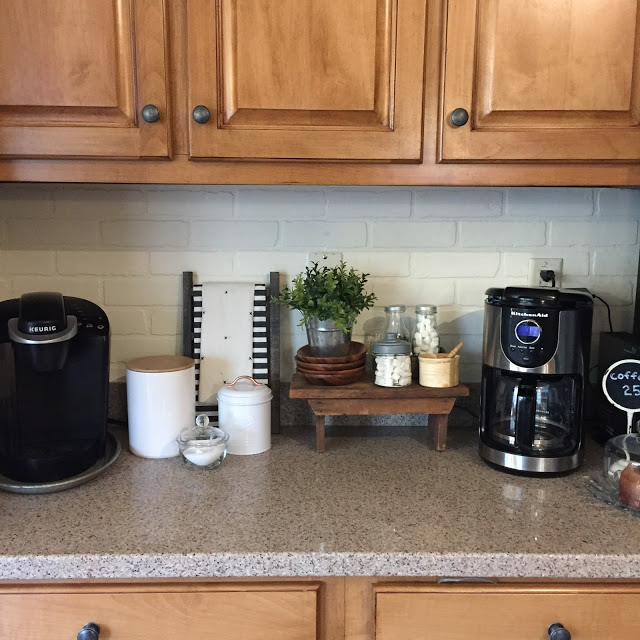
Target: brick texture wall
pixel 125 247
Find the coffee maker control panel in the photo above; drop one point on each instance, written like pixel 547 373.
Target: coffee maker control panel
pixel 92 320
pixel 529 338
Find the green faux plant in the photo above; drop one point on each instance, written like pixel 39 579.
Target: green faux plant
pixel 328 293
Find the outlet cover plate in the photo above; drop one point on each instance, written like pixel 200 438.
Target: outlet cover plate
pixel 540 264
pixel 325 258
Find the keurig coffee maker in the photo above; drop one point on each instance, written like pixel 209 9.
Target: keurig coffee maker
pixel 54 377
pixel 535 363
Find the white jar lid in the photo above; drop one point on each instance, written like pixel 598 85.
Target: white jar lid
pixel 244 390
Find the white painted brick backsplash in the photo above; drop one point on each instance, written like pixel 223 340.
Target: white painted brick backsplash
pixel 89 288
pixel 5 290
pixel 144 233
pixel 565 233
pixel 440 245
pixel 471 351
pixel 114 263
pixel 233 235
pixel 27 233
pixel 618 261
pixel 470 291
pixel 413 291
pixel 166 322
pixel 618 202
pixel 502 233
pixel 621 318
pixel 20 201
pixel 454 265
pixel 381 263
pixel 324 235
pixel 125 348
pixel 574 262
pixel 27 262
pixel 260 263
pixel 545 202
pixel 190 204
pixel 98 202
pixel 280 204
pixel 135 291
pixel 443 202
pixel 358 203
pixel 127 320
pixel 458 320
pixel 617 291
pixel 202 263
pixel 419 235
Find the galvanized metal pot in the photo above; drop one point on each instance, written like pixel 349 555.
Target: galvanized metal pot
pixel 326 340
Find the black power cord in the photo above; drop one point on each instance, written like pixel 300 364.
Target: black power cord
pixel 608 311
pixel 548 275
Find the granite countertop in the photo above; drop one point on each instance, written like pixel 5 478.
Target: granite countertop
pixel 380 501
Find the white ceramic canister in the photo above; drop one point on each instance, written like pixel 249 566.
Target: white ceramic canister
pixel 160 403
pixel 244 412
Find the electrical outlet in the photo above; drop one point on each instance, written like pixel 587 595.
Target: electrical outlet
pixel 325 258
pixel 536 265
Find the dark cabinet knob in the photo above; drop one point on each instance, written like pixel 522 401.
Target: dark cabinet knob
pixel 557 632
pixel 459 117
pixel 150 113
pixel 90 631
pixel 201 114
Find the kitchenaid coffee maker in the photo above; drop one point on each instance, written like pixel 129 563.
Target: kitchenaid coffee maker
pixel 54 381
pixel 535 363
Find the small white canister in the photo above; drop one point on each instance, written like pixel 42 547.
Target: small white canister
pixel 160 403
pixel 244 412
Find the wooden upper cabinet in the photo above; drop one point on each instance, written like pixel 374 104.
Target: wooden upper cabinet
pixel 307 79
pixel 547 80
pixel 75 75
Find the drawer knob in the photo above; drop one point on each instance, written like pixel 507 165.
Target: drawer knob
pixel 459 117
pixel 150 113
pixel 557 632
pixel 201 114
pixel 90 631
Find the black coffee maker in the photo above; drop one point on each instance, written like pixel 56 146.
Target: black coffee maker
pixel 54 383
pixel 535 363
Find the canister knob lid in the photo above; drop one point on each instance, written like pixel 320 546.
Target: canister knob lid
pixel 244 390
pixel 391 346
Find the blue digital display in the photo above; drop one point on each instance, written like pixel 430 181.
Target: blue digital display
pixel 528 331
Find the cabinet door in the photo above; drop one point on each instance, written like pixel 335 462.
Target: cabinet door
pixel 547 80
pixel 307 79
pixel 436 613
pixel 75 74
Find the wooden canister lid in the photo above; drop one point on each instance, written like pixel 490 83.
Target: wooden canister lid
pixel 160 364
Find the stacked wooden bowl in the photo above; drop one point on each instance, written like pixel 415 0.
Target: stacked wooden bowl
pixel 336 371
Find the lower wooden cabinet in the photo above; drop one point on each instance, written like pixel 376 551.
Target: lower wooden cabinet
pixel 522 612
pixel 225 611
pixel 320 609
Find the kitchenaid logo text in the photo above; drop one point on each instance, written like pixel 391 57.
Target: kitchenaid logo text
pixel 529 315
pixel 51 327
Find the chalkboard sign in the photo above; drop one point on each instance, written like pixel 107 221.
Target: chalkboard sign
pixel 621 385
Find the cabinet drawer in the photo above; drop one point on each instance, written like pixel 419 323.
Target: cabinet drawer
pixel 523 612
pixel 223 612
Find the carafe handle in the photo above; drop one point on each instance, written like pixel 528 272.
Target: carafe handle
pixel 525 415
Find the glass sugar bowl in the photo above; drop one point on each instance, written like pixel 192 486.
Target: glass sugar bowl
pixel 392 362
pixel 396 324
pixel 426 338
pixel 622 467
pixel 203 446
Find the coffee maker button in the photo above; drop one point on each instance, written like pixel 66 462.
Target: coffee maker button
pixel 526 358
pixel 512 349
pixel 100 326
pixel 89 325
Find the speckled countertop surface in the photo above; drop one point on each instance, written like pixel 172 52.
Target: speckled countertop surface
pixel 380 501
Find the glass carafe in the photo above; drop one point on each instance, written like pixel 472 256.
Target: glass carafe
pixel 396 324
pixel 533 414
